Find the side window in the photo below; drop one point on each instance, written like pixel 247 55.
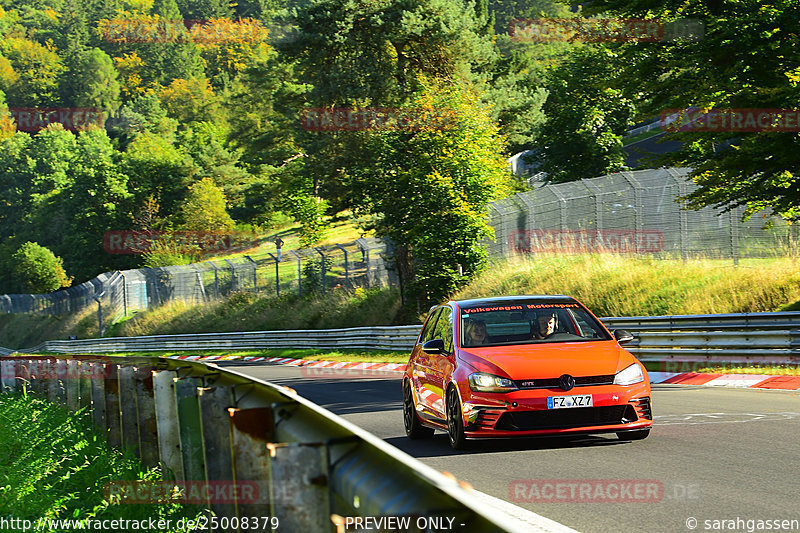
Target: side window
pixel 428 329
pixel 444 328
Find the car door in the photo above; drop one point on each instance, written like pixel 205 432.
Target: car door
pixel 441 365
pixel 421 366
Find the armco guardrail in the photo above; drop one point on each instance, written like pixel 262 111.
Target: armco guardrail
pixel 721 338
pixel 205 424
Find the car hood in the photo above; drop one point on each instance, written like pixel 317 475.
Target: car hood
pixel 538 361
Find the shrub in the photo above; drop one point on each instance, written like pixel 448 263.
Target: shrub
pixel 37 270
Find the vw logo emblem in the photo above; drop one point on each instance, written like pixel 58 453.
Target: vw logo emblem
pixel 566 382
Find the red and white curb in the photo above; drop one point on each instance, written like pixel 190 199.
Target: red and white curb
pixel 389 368
pixel 741 381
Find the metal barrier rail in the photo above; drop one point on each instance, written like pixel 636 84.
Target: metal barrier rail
pixel 718 338
pixel 206 424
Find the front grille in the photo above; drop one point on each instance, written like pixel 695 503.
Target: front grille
pixel 553 383
pixel 566 418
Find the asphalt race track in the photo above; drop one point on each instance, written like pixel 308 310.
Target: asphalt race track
pixel 713 454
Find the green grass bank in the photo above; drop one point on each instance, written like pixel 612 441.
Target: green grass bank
pixel 53 465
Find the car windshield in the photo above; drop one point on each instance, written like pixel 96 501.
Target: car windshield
pixel 527 322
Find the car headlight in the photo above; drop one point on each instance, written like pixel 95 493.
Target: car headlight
pixel 629 376
pixel 480 382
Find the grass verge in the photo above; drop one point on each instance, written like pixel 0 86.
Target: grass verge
pixel 53 465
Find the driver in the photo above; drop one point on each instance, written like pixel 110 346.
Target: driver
pixel 476 334
pixel 547 325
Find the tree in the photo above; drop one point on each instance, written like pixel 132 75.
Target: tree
pixel 204 208
pixel 428 191
pixel 582 135
pixel 98 86
pixel 37 270
pixel 745 59
pixel 37 69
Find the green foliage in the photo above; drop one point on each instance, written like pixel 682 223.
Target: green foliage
pixel 54 465
pixel 204 208
pixel 582 135
pixel 36 71
pixel 36 270
pixel 744 60
pixel 96 82
pixel 429 190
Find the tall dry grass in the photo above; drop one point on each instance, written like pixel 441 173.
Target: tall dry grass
pixel 615 285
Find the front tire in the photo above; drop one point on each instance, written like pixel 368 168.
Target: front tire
pixel 455 421
pixel 638 434
pixel 414 429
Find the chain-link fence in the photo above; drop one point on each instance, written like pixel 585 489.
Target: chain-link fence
pixel 358 264
pixel 632 212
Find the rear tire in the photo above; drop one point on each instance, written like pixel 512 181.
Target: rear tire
pixel 455 421
pixel 638 434
pixel 414 429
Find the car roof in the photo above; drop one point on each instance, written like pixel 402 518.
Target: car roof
pixel 543 298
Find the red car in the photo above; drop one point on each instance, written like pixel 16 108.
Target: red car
pixel 523 366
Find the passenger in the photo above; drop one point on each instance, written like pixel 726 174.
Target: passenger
pixel 547 325
pixel 476 333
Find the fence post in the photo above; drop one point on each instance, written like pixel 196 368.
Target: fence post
pixel 234 281
pixel 346 267
pixel 299 274
pixel 734 222
pixel 99 313
pixel 255 275
pixel 322 268
pixel 216 279
pixel 364 257
pixel 124 295
pixel 277 275
pixel 97 383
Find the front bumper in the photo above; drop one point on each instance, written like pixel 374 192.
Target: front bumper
pixel 525 413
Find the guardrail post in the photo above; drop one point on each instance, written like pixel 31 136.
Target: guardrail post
pixel 251 430
pixel 300 478
pixel 53 383
pixel 97 384
pixel 169 440
pixel 146 416
pixel 113 417
pixel 59 377
pixel 191 436
pixel 215 420
pixel 84 386
pixel 8 373
pixel 127 406
pixel 72 385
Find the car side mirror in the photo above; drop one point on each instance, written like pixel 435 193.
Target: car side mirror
pixel 434 347
pixel 623 336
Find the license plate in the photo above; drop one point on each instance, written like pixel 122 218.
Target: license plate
pixel 562 402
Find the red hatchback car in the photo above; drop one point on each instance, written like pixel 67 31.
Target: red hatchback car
pixel 523 366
